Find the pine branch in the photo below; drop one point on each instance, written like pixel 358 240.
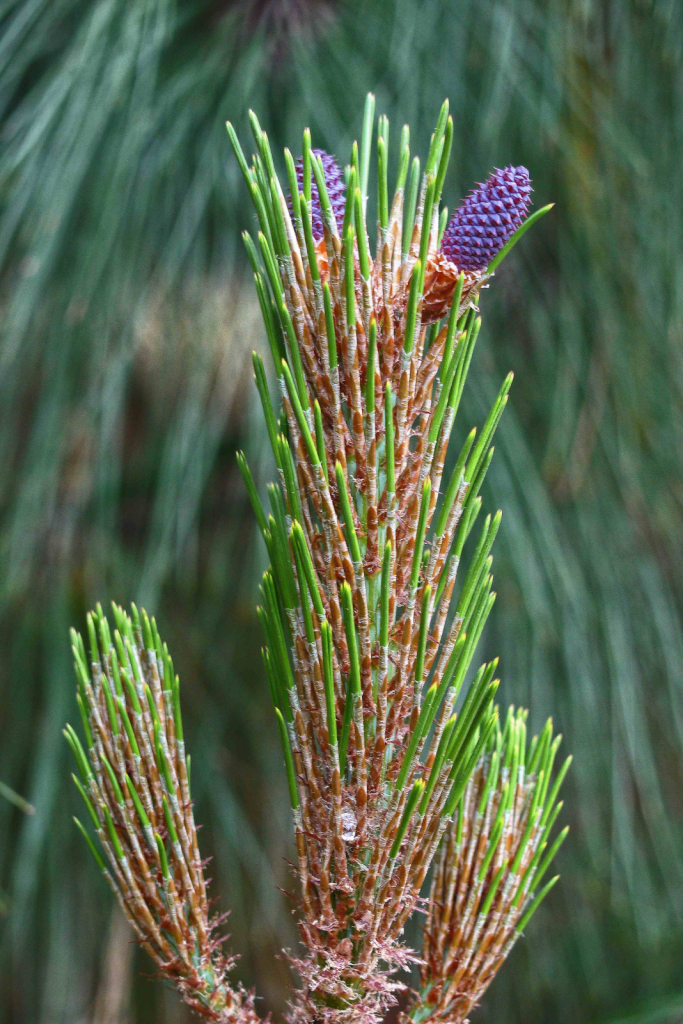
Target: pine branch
pixel 135 783
pixel 368 646
pixel 366 655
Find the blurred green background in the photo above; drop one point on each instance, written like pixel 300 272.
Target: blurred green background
pixel 125 389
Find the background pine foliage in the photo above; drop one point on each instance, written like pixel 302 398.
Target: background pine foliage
pixel 124 393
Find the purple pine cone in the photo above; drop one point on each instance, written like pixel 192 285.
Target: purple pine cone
pixel 489 216
pixel 336 190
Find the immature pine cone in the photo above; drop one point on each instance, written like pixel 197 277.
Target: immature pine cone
pixel 485 221
pixel 336 190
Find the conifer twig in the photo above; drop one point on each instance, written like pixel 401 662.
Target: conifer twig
pixel 396 762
